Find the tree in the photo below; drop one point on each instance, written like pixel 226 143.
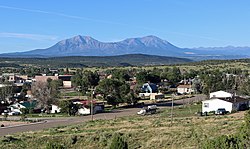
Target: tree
pixel 114 91
pixel 54 85
pixel 85 80
pixel 141 77
pixel 5 91
pixel 145 76
pixel 118 142
pixel 120 74
pixel 174 75
pixel 42 93
pixel 68 107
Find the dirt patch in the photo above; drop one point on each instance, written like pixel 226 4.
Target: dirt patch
pixel 239 114
pixel 12 123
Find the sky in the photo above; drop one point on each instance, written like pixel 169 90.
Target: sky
pixel 34 24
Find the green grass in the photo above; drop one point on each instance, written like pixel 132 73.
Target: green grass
pixel 71 94
pixel 147 132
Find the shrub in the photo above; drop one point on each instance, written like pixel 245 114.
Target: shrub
pixel 118 142
pixel 239 140
pixel 55 145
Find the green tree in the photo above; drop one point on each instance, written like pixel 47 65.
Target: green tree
pixel 114 91
pixel 68 107
pixel 85 80
pixel 142 77
pixel 120 74
pixel 53 86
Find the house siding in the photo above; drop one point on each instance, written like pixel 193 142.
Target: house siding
pixel 214 104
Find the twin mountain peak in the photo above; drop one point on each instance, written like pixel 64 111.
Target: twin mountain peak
pixel 150 45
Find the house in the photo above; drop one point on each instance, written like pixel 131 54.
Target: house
pixel 149 88
pixel 220 94
pixel 85 110
pixel 85 106
pixel 229 103
pixel 185 89
pixel 66 80
pixel 55 109
pixel 16 107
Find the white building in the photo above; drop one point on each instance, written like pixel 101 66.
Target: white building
pixel 230 104
pixel 84 111
pixel 221 94
pixel 55 109
pixel 185 89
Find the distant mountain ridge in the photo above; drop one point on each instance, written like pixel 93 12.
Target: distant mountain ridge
pixel 90 61
pixel 88 46
pixel 150 45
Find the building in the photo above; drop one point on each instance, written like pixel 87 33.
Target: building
pixel 149 88
pixel 45 78
pixel 16 107
pixel 228 103
pixel 185 89
pixel 55 109
pixel 66 79
pixel 220 94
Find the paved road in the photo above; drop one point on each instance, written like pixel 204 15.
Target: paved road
pixel 54 122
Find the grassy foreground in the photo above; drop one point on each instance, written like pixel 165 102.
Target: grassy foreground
pixel 147 132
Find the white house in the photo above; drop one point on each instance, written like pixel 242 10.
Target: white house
pixel 84 111
pixel 230 104
pixel 185 89
pixel 221 94
pixel 16 107
pixel 55 109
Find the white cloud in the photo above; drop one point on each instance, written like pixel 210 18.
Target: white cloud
pixel 62 15
pixel 27 36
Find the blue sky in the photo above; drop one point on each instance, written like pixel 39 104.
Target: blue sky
pixel 31 24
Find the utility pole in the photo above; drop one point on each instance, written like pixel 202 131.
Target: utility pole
pixel 172 108
pixel 92 109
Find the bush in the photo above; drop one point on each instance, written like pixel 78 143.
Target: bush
pixel 118 142
pixel 55 146
pixel 239 140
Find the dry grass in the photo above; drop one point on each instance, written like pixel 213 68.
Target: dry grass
pixel 147 132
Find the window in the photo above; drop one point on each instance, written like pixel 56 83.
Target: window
pixel 206 105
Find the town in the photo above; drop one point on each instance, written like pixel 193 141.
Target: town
pixel 134 74
pixel 28 97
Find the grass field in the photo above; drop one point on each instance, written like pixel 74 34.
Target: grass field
pixel 147 132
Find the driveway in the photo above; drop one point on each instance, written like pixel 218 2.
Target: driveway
pixel 54 122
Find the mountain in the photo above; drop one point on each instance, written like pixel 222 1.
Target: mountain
pixel 87 46
pixel 89 61
pixel 150 45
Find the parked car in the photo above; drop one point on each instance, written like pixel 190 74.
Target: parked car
pixel 148 110
pixel 221 111
pixel 11 113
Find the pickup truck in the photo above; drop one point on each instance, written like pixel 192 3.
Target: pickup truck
pixel 221 111
pixel 148 110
